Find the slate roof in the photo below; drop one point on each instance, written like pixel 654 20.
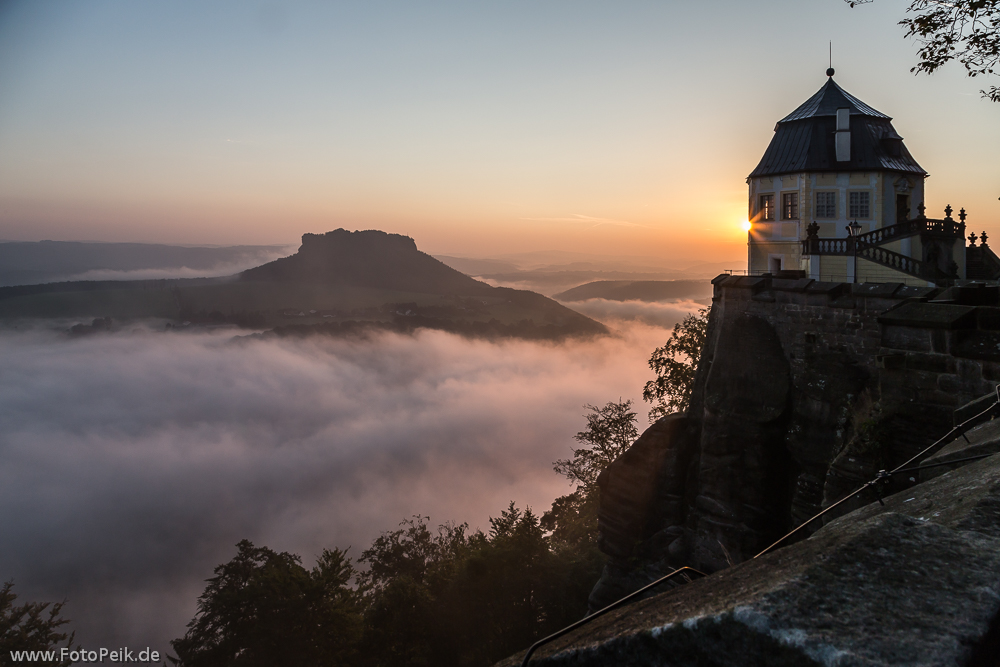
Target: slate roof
pixel 827 100
pixel 804 139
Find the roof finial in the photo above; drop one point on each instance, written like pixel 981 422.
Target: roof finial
pixel 829 72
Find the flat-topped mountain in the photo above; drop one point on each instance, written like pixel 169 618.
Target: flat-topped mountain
pixel 336 282
pixel 367 258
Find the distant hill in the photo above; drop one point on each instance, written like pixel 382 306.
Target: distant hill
pixel 34 262
pixel 477 267
pixel 338 282
pixel 524 271
pixel 639 290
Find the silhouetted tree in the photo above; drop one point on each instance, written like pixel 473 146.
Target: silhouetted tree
pixel 502 591
pixel 571 523
pixel 963 30
pixel 572 520
pixel 408 569
pixel 263 608
pixel 675 365
pixel 32 626
pixel 610 431
pixel 468 599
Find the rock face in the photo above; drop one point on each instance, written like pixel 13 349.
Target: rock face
pixel 742 427
pixel 804 391
pixel 980 441
pixel 370 259
pixel 913 582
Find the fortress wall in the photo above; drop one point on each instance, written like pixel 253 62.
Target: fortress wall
pixel 804 391
pixel 917 352
pixel 936 346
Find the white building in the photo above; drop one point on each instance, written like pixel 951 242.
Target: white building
pixel 836 161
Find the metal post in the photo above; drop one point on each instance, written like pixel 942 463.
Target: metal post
pixel 853 230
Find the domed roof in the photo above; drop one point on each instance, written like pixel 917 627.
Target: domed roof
pixel 804 139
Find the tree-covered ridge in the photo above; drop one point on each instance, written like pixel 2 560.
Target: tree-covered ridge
pixel 336 284
pixel 445 597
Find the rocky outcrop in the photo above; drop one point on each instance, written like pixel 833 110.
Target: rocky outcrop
pixel 804 391
pixel 913 582
pixel 746 403
pixel 979 441
pixel 369 258
pixel 642 508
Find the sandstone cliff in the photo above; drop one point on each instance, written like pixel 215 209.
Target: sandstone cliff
pixel 914 582
pixel 804 391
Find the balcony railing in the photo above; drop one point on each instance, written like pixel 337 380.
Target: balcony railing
pixel 868 246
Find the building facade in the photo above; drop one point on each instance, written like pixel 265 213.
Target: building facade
pixel 835 162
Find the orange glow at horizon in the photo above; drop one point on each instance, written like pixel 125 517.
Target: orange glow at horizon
pixel 431 126
pixel 438 224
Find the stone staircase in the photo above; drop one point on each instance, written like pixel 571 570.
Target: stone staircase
pixel 868 246
pixel 981 263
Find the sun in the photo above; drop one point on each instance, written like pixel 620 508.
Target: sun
pixel 746 226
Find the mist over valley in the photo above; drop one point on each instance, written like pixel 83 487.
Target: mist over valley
pixel 136 458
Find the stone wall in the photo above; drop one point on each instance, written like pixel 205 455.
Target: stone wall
pixel 804 391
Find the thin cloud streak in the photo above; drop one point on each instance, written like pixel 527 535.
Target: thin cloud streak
pixel 133 462
pixel 167 273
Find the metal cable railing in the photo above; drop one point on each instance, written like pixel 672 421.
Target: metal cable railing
pixel 881 478
pixel 611 607
pixel 884 476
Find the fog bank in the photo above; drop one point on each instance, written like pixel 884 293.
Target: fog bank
pixel 133 462
pixel 654 313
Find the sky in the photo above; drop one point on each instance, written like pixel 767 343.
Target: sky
pixel 477 128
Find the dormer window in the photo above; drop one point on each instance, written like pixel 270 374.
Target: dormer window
pixel 790 206
pixel 892 143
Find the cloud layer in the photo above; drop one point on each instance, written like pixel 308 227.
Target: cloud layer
pixel 133 462
pixel 655 313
